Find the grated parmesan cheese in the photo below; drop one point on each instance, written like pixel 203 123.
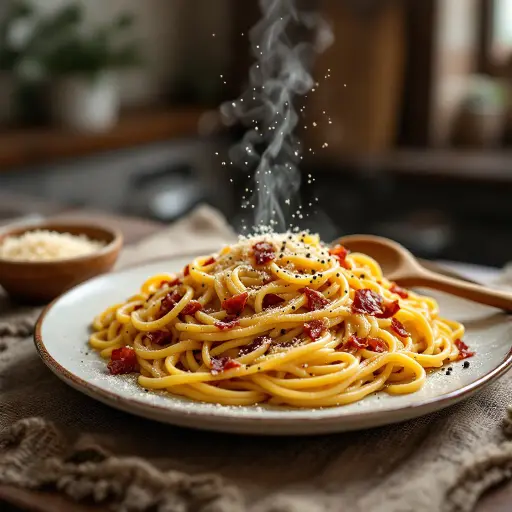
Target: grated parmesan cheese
pixel 44 245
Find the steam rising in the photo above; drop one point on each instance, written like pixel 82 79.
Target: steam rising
pixel 279 75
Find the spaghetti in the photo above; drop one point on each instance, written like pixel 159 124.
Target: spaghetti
pixel 281 319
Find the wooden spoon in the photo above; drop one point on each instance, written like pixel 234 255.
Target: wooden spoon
pixel 399 265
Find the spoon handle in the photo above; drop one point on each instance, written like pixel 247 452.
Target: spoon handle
pixel 475 292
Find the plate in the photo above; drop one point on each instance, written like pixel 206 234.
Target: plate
pixel 63 328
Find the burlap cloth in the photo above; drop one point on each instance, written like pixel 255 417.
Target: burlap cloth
pixel 52 437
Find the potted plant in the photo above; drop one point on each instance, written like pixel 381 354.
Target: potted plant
pixel 14 35
pixel 27 38
pixel 83 65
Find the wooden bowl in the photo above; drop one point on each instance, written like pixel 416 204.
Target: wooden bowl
pixel 42 281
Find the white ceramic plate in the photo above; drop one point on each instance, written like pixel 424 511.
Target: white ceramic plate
pixel 63 328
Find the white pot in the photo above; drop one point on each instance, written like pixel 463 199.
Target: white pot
pixel 86 104
pixel 7 89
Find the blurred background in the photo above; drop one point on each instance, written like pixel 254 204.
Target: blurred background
pixel 114 106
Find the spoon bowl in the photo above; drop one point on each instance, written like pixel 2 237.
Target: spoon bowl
pixel 399 265
pixel 393 258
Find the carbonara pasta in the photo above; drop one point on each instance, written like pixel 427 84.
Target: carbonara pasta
pixel 277 318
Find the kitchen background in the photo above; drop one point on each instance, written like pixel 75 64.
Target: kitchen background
pixel 113 106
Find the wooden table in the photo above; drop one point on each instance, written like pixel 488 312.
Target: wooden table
pixel 13 499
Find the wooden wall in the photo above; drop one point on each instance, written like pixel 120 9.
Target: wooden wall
pixel 363 92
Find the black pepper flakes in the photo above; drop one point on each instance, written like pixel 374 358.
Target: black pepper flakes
pixel 283 332
pixel 293 307
pixel 466 364
pixel 308 255
pixel 338 274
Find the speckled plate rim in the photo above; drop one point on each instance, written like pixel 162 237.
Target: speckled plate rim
pixel 226 419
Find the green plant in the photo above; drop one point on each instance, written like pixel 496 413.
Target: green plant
pixel 73 50
pixel 10 52
pixel 58 43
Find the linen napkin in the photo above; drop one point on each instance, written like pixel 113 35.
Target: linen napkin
pixel 53 437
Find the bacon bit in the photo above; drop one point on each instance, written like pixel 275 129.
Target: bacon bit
pixel 314 328
pixel 264 252
pixel 390 309
pixel 373 344
pixel 464 351
pixel 169 302
pixel 172 283
pixel 222 364
pixel 353 342
pixel 159 337
pixel 191 308
pixel 254 345
pixel 377 345
pixel 271 299
pixel 340 253
pixel 315 300
pixel 209 261
pixel 186 270
pixel 398 328
pixel 122 360
pixel 402 292
pixel 236 304
pixel 368 302
pixel 228 323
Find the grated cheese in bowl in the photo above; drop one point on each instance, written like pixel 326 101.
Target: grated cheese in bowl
pixel 44 245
